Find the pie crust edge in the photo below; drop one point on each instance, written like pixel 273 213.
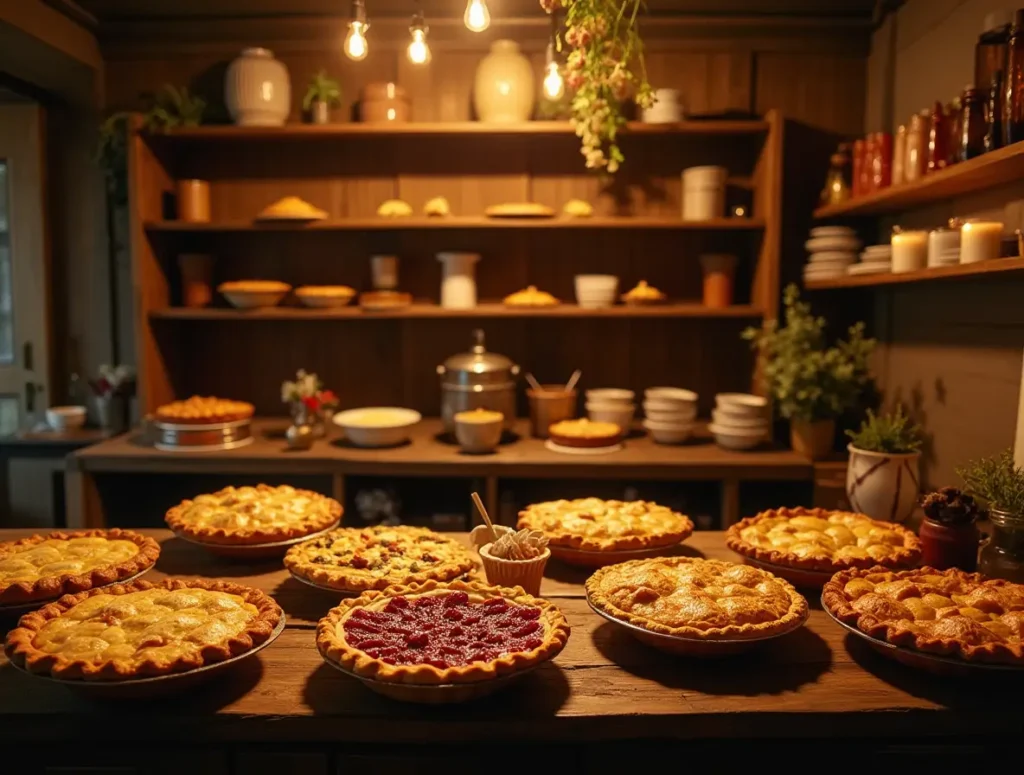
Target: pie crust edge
pixel 908 555
pixel 244 411
pixel 20 650
pixel 354 660
pixel 581 543
pixel 51 587
pixel 793 619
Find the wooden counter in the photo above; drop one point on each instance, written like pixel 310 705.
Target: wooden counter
pixel 591 705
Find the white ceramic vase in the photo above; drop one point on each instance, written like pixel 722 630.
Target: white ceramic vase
pixel 883 486
pixel 458 280
pixel 503 91
pixel 257 90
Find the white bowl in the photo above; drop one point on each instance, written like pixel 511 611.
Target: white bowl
pixel 377 426
pixel 664 405
pixel 620 415
pixel 610 396
pixel 674 394
pixel 739 422
pixel 734 438
pixel 742 404
pixel 596 290
pixel 671 415
pixel 65 418
pixel 668 433
pixel 257 295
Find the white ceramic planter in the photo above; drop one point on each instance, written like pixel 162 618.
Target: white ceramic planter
pixel 503 90
pixel 883 486
pixel 458 280
pixel 257 90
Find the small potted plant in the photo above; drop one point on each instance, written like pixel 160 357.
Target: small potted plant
pixel 811 384
pixel 173 107
pixel 113 387
pixel 322 94
pixel 884 469
pixel 312 406
pixel 949 533
pixel 998 482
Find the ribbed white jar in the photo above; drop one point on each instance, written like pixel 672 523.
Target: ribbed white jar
pixel 257 90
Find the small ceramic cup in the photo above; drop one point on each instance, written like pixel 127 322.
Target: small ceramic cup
pixel 514 573
pixel 479 431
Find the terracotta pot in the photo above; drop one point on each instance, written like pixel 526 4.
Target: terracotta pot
pixel 384 103
pixel 194 201
pixel 257 89
pixel 719 271
pixel 883 486
pixel 813 440
pixel 949 546
pixel 503 90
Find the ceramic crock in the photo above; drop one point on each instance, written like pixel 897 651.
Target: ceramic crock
pixel 478 380
pixel 503 90
pixel 257 90
pixel 882 485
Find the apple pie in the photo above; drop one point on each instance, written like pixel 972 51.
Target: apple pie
pixel 584 433
pixel 204 410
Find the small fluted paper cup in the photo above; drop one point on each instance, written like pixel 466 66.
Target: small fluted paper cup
pixel 515 573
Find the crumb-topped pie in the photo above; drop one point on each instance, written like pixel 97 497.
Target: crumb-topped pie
pixel 697 599
pixel 253 515
pixel 584 433
pixel 596 525
pixel 948 613
pixel 530 297
pixel 43 567
pixel 357 559
pixel 204 410
pixel 140 629
pixel 822 540
pixel 435 633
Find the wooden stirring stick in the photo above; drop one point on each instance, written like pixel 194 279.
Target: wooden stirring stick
pixel 534 383
pixel 573 380
pixel 483 513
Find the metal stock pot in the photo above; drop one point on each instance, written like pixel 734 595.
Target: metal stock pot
pixel 477 379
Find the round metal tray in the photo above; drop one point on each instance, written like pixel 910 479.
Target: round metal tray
pixel 23 608
pixel 322 588
pixel 156 686
pixel 692 647
pixel 255 551
pixel 922 660
pixel 172 437
pixel 798 577
pixel 586 559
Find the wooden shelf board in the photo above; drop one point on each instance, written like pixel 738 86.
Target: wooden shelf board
pixel 936 273
pixel 1005 165
pixel 487 310
pixel 377 223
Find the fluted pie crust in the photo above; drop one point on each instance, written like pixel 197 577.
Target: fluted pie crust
pixel 596 525
pixel 823 540
pixel 239 516
pixel 142 630
pixel 44 567
pixel 358 559
pixel 685 597
pixel 550 637
pixel 204 410
pixel 948 613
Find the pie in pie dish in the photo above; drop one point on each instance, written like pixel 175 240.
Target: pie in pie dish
pixel 324 295
pixel 584 433
pixel 822 540
pixel 697 599
pixel 291 208
pixel 595 525
pixel 253 515
pixel 435 633
pixel 530 297
pixel 355 560
pixel 519 210
pixel 140 630
pixel 204 410
pixel 643 294
pixel 43 567
pixel 948 613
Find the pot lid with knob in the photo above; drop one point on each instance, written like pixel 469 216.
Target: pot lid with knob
pixel 478 366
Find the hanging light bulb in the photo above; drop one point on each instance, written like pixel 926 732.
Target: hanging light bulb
pixel 418 51
pixel 355 41
pixel 554 86
pixel 477 17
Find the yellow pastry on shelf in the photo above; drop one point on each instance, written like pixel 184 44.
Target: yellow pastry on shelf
pixel 531 297
pixel 577 208
pixel 393 208
pixel 291 208
pixel 643 294
pixel 438 206
pixel 519 210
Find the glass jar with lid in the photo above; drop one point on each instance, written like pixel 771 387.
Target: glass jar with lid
pixel 478 379
pixel 1002 555
pixel 973 125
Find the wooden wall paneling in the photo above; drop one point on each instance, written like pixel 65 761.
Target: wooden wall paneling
pixel 768 205
pixel 708 82
pixel 824 90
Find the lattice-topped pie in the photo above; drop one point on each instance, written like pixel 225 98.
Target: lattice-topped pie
pixel 140 629
pixel 950 613
pixel 822 540
pixel 694 598
pixel 353 560
pixel 204 410
pixel 43 567
pixel 253 515
pixel 584 433
pixel 596 525
pixel 435 633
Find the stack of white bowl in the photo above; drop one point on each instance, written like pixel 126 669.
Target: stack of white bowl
pixel 739 420
pixel 704 193
pixel 596 290
pixel 612 405
pixel 832 249
pixel 670 414
pixel 874 259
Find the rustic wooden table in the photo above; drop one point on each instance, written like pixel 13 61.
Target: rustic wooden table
pixel 592 706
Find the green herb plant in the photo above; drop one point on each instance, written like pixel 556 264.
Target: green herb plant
pixel 807 380
pixel 996 481
pixel 893 434
pixel 322 89
pixel 172 108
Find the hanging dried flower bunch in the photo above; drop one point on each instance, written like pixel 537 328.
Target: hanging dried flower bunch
pixel 604 67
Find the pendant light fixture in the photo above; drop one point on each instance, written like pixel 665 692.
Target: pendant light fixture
pixel 477 17
pixel 554 84
pixel 419 50
pixel 355 41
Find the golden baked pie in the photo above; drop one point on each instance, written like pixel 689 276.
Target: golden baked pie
pixel 643 294
pixel 822 540
pixel 201 410
pixel 949 613
pixel 253 515
pixel 43 567
pixel 519 210
pixel 254 286
pixel 577 208
pixel 435 633
pixel 291 208
pixel 394 208
pixel 479 416
pixel 695 598
pixel 531 297
pixel 324 295
pixel 357 559
pixel 584 433
pixel 140 630
pixel 595 525
pixel 437 207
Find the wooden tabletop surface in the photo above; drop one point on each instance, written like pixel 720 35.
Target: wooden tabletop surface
pixel 817 682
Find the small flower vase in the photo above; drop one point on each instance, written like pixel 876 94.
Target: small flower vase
pixel 325 420
pixel 112 413
pixel 320 112
pixel 300 433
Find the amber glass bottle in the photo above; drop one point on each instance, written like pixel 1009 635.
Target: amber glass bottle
pixel 972 125
pixel 994 133
pixel 1013 105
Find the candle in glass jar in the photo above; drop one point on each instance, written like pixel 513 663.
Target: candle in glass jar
pixel 980 241
pixel 909 251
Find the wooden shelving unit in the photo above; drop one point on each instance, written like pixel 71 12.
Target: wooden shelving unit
pixel 979 269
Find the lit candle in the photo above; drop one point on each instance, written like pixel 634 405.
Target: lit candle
pixel 909 251
pixel 980 241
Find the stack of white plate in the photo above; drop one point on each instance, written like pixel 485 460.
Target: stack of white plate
pixel 670 413
pixel 739 420
pixel 832 249
pixel 873 260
